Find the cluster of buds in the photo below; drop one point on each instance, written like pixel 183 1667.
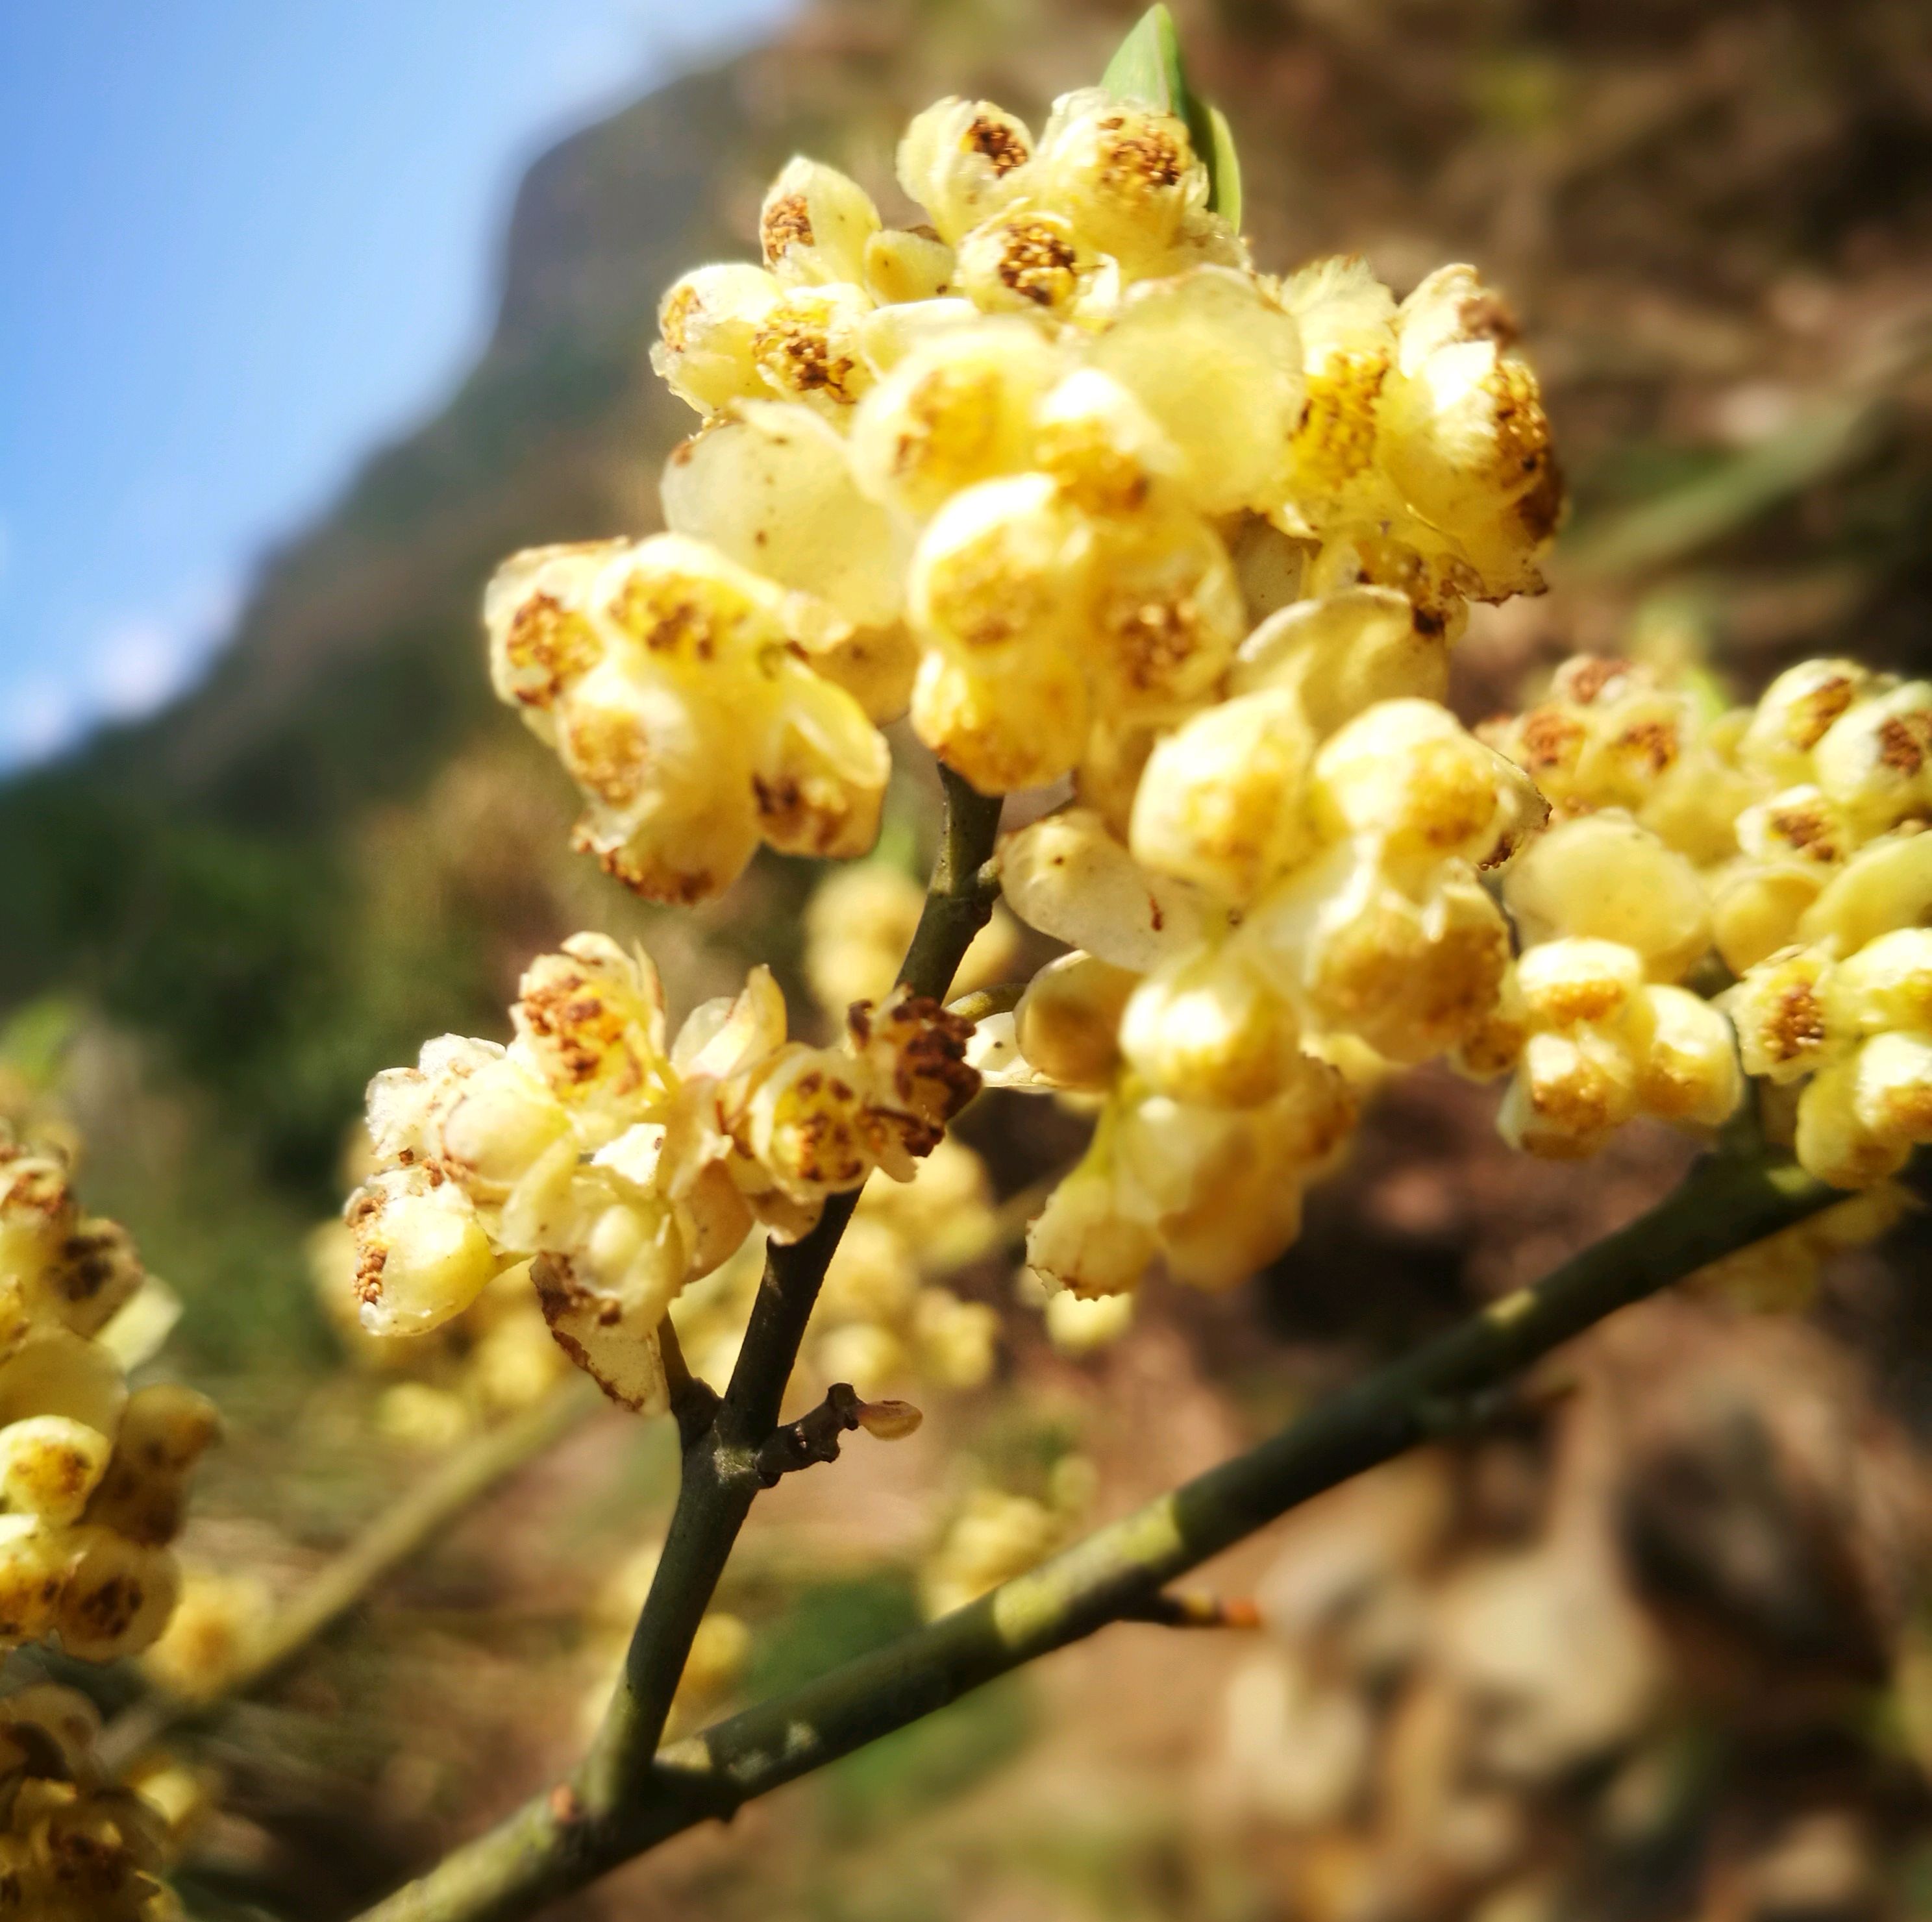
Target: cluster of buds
pixel 1788 837
pixel 1844 1013
pixel 1063 447
pixel 884 1321
pixel 618 1166
pixel 676 687
pixel 1297 904
pixel 1590 1026
pixel 73 1847
pixel 93 1479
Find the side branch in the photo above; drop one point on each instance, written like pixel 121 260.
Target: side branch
pixel 555 1844
pixel 724 1459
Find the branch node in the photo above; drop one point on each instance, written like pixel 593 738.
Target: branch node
pixel 815 1437
pixel 812 1437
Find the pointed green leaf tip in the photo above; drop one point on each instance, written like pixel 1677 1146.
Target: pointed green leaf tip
pixel 1148 67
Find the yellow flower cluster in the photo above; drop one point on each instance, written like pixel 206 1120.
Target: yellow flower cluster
pixel 619 1166
pixel 883 1322
pixel 1062 448
pixel 1297 902
pixel 73 1847
pixel 1788 836
pixel 93 1479
pixel 674 686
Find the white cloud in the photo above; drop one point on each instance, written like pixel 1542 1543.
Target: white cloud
pixel 137 665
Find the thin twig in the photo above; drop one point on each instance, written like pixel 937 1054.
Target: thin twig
pixel 559 1842
pixel 722 1468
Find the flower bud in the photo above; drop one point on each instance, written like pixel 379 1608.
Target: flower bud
pixel 903 269
pixel 959 160
pixel 1068 1021
pixel 890 1421
pixel 814 224
pixel 1887 884
pixel 1602 875
pixel 1793 716
pixel 1210 1031
pixel 1756 908
pixel 1689 1072
pixel 710 322
pixel 1221 803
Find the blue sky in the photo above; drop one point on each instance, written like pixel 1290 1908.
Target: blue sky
pixel 243 240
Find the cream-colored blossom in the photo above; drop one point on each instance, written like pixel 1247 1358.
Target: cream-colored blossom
pixel 669 678
pixel 622 1167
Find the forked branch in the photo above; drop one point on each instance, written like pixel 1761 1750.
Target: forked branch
pixel 563 1840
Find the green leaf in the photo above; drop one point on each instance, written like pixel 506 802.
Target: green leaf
pixel 1148 67
pixel 1224 170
